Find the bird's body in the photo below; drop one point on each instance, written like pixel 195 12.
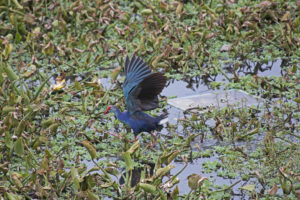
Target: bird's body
pixel 139 121
pixel 140 88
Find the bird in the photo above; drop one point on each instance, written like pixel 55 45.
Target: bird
pixel 141 88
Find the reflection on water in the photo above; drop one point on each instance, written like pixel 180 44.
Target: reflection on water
pixel 271 68
pixel 137 172
pixel 200 84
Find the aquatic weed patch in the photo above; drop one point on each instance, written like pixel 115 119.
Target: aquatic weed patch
pixel 56 143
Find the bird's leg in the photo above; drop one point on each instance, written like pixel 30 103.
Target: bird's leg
pixel 126 133
pixel 116 135
pixel 153 140
pixel 134 140
pixel 129 140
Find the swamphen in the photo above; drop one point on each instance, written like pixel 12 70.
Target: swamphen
pixel 140 88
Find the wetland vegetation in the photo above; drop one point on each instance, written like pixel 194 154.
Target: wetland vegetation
pixel 61 65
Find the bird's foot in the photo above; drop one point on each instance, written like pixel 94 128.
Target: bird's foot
pixel 132 141
pixel 123 137
pixel 116 135
pixel 152 144
pixel 153 140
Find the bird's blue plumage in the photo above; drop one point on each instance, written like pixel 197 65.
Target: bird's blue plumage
pixel 135 70
pixel 140 88
pixel 139 121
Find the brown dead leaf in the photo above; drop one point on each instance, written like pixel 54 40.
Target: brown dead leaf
pixel 297 193
pixel 219 129
pixel 286 17
pixel 211 35
pixel 179 9
pixel 264 5
pixel 29 19
pixel 48 49
pixel 225 48
pixel 273 190
pixel 61 165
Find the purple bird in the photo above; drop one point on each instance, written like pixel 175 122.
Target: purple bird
pixel 140 89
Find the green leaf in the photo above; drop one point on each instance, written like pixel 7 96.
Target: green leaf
pixel 249 188
pixel 20 128
pixel 91 195
pixel 146 12
pixel 297 100
pixel 18 5
pixel 19 147
pixel 156 60
pixel 294 69
pixel 112 171
pixel 91 149
pixel 10 73
pixel 53 127
pixel 48 50
pixel 11 196
pixel 148 188
pixel 195 181
pixel 18 37
pixel 114 74
pixel 45 163
pixel 7 109
pixel 46 123
pixel 164 170
pixel 173 156
pixel 8 49
pixel 128 161
pixel 107 185
pixel 30 71
pixel 42 86
pixel 75 177
pixel 175 192
pixel 8 140
pixel 134 147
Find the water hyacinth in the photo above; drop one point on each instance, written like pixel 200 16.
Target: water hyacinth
pixel 61 65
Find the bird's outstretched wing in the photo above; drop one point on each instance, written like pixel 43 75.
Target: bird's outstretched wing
pixel 141 86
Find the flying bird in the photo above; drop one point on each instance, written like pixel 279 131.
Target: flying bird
pixel 140 89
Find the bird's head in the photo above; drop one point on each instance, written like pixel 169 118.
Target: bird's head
pixel 110 108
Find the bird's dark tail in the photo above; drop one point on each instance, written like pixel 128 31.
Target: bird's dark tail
pixel 162 119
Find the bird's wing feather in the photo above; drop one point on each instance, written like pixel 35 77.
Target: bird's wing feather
pixel 141 87
pixel 148 89
pixel 135 70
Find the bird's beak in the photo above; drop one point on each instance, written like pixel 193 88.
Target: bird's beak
pixel 107 109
